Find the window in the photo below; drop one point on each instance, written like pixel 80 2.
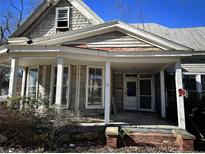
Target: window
pixel 65 92
pixel 95 87
pixel 203 82
pixel 62 18
pixel 32 88
pixel 189 82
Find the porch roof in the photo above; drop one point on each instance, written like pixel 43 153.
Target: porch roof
pixel 50 49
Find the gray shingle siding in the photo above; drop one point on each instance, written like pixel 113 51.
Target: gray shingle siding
pixel 46 25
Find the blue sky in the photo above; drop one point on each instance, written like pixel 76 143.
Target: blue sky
pixel 170 13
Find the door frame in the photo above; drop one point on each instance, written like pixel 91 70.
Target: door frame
pixel 137 79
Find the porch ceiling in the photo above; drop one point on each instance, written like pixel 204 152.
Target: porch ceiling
pixel 138 67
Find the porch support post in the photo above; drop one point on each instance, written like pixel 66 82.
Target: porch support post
pixel 107 92
pixel 180 99
pixel 77 93
pixel 162 88
pixel 23 83
pixel 198 83
pixel 13 77
pixel 59 83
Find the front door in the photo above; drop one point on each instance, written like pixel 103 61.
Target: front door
pixel 130 95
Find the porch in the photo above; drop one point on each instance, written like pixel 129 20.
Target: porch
pixel 87 83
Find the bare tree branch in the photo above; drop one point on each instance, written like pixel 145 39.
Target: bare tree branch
pixel 19 10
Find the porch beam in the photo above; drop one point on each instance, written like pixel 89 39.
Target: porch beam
pixel 107 92
pixel 59 83
pixel 163 101
pixel 180 99
pixel 198 83
pixel 13 77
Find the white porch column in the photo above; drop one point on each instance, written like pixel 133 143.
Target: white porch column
pixel 23 83
pixel 13 77
pixel 198 84
pixel 180 99
pixel 162 88
pixel 59 83
pixel 77 93
pixel 107 92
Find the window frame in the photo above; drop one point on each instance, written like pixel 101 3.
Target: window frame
pixel 190 74
pixel 56 18
pixel 28 77
pixel 103 88
pixel 52 85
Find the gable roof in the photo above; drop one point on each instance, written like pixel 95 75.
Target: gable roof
pixel 109 27
pixel 191 37
pixel 47 4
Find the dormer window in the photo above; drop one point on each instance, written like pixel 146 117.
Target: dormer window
pixel 62 18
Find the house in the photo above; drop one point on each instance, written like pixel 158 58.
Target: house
pixel 70 56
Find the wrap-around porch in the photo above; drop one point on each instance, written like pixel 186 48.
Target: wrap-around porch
pixel 105 85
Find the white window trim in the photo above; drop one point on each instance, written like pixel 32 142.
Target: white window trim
pixel 52 84
pixel 103 88
pixel 27 84
pixel 56 18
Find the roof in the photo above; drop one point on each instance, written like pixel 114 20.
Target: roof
pixel 191 37
pixel 108 27
pixel 48 4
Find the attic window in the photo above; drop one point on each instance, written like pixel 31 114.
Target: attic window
pixel 62 18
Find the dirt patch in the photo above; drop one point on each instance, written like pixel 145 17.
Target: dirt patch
pixel 93 147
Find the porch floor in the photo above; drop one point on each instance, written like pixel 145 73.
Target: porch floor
pixel 139 118
pixel 130 119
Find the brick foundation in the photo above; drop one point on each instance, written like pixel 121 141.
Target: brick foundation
pixel 149 139
pixel 180 140
pixel 185 145
pixel 111 141
pixel 112 134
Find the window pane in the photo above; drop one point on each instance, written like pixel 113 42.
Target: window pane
pixel 55 76
pixel 145 102
pixel 99 73
pixel 54 96
pixel 203 81
pixel 62 13
pixel 131 88
pixel 145 87
pixel 145 76
pixel 94 96
pixel 65 76
pixel 91 77
pixel 64 97
pixel 189 82
pixel 62 23
pixel 33 82
pixel 95 87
